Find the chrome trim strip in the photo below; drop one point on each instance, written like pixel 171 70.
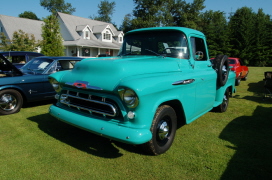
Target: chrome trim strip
pixel 87 109
pixel 181 82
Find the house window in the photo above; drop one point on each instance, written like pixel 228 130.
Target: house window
pixel 107 36
pixel 86 34
pixel 120 39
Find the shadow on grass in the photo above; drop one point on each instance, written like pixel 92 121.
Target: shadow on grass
pixel 251 137
pixel 258 90
pixel 38 103
pixel 80 139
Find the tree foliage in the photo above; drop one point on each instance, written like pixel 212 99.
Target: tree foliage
pixel 52 40
pixel 105 11
pixel 55 6
pixel 28 15
pixel 21 41
pixel 4 42
pixel 214 25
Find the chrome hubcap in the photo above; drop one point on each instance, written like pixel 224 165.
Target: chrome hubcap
pixel 224 71
pixel 8 102
pixel 225 101
pixel 163 130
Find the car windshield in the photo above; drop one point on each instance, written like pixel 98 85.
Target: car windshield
pixel 37 66
pixel 159 43
pixel 231 61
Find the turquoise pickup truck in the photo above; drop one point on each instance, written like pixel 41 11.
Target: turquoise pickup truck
pixel 162 78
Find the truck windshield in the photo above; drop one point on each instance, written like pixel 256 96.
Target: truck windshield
pixel 158 43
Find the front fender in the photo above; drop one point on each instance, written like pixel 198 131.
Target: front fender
pixel 157 89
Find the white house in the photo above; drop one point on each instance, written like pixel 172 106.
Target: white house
pixel 81 36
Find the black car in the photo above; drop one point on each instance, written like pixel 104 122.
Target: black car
pixel 30 83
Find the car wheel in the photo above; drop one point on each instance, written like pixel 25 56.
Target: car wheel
pixel 237 81
pixel 11 101
pixel 221 65
pixel 245 78
pixel 163 131
pixel 224 105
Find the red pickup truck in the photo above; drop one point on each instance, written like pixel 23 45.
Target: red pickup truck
pixel 240 69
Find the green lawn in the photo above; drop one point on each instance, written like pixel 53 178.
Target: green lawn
pixel 232 145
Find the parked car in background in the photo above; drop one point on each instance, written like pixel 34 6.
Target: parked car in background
pixel 240 69
pixel 19 58
pixel 30 83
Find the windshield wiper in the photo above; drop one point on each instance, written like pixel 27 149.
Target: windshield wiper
pixel 154 52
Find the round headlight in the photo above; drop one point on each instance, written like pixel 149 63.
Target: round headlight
pixel 130 98
pixel 55 84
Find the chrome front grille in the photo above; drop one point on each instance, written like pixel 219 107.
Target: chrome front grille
pixel 92 104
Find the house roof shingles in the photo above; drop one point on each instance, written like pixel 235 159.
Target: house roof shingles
pixel 71 22
pixel 12 24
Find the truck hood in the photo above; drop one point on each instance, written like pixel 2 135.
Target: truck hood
pixel 106 73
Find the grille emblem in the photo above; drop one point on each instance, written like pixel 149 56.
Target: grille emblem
pixel 83 85
pixel 80 85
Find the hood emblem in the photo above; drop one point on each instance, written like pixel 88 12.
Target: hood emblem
pixel 83 85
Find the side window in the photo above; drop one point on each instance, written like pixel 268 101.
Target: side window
pixel 198 48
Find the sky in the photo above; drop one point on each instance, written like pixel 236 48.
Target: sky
pixel 87 8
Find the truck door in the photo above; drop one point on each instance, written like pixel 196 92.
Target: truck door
pixel 205 76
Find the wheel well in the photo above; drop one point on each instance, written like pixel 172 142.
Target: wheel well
pixel 177 106
pixel 22 94
pixel 230 90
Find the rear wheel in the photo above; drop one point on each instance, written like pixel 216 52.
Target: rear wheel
pixel 238 81
pixel 245 78
pixel 163 131
pixel 224 105
pixel 11 101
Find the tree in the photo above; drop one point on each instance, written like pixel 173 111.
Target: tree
pixel 55 6
pixel 28 15
pixel 154 13
pixel 21 41
pixel 242 34
pixel 4 42
pixel 126 25
pixel 52 40
pixel 188 14
pixel 106 10
pixel 262 50
pixel 214 26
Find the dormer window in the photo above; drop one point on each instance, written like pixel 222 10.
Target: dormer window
pixel 87 34
pixel 120 39
pixel 107 35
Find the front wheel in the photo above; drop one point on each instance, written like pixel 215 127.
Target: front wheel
pixel 163 131
pixel 11 101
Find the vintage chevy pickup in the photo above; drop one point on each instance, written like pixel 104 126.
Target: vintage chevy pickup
pixel 161 78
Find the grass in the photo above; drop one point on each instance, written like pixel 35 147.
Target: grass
pixel 232 145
